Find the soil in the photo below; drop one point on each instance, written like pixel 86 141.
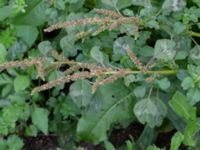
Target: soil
pixel 117 138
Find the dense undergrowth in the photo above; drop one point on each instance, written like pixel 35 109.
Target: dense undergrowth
pixel 77 69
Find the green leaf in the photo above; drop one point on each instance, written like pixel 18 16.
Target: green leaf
pixel 197 2
pixel 129 79
pixel 45 47
pixel 3 127
pixel 179 27
pixel 3 53
pixel 21 83
pixel 7 37
pixel 150 111
pixel 3 145
pixel 112 3
pixel 15 143
pixel 176 141
pixel 164 50
pixel 81 93
pixel 146 138
pixel 120 45
pixel 97 55
pixel 35 14
pixel 192 129
pixel 180 105
pixel 67 45
pixel 153 147
pixel 187 83
pixel 145 3
pixel 140 91
pixel 71 1
pixel 28 34
pixel 109 146
pixel 193 96
pixel 195 54
pixel 183 46
pixel 162 109
pixel 31 131
pixel 40 119
pixel 130 145
pixel 60 4
pixel 109 105
pixel 173 5
pixel 163 84
pixel 5 12
pixel 145 110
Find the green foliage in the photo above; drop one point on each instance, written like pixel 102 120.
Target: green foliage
pixel 109 105
pixel 180 105
pixel 21 83
pixel 3 53
pixel 81 93
pixel 40 119
pixel 93 84
pixel 176 141
pixel 150 111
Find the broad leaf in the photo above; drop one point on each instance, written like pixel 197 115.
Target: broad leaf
pixel 150 111
pixel 180 105
pixel 67 45
pixel 193 95
pixel 21 83
pixel 109 105
pixel 197 2
pixel 187 83
pixel 163 84
pixel 81 93
pixel 110 2
pixel 15 143
pixel 3 127
pixel 165 50
pixel 45 47
pixel 153 148
pixel 145 3
pixel 5 12
pixel 176 141
pixel 96 54
pixel 34 15
pixel 109 146
pixel 183 46
pixel 28 34
pixel 191 131
pixel 195 54
pixel 140 91
pixel 120 45
pixel 173 5
pixel 146 138
pixel 40 119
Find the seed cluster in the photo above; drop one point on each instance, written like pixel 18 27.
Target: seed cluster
pixel 37 62
pixel 110 20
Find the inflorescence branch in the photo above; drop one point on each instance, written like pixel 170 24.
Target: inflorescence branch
pixel 110 21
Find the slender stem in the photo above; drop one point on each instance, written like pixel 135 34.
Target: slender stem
pixel 196 34
pixel 165 72
pixel 150 91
